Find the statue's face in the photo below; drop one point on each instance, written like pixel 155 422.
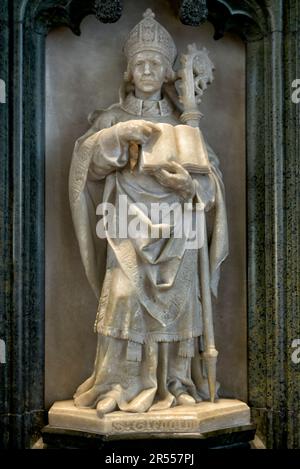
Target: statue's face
pixel 149 71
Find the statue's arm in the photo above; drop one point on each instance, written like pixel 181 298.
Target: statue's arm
pixel 107 147
pixel 101 148
pixel 108 153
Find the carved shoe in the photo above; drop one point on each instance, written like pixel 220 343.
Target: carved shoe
pixel 105 406
pixel 185 399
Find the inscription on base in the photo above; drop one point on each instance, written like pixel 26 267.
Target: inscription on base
pixel 154 425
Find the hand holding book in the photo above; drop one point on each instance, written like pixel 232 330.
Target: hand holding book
pixel 138 131
pixel 176 178
pixel 135 133
pixel 159 145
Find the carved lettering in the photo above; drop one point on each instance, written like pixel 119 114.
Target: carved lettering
pixel 170 425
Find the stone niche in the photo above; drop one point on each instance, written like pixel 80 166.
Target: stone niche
pixel 83 74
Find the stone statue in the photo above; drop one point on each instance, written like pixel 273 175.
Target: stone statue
pixel 150 322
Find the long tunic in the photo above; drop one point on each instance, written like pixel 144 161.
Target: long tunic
pixel 149 316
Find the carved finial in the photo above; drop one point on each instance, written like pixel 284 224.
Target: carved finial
pixel 195 75
pixel 193 12
pixel 149 13
pixel 108 11
pixel 192 48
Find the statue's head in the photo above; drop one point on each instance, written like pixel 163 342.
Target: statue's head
pixel 151 53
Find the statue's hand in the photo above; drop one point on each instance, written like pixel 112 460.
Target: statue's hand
pixel 136 131
pixel 176 178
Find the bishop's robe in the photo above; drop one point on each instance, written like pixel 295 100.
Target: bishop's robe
pixel 149 319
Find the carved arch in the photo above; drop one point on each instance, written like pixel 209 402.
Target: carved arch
pixel 249 18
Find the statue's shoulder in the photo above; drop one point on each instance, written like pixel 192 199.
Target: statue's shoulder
pixel 103 118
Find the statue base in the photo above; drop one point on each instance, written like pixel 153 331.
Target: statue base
pixel 221 424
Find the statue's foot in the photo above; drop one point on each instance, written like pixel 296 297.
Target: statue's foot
pixel 105 406
pixel 85 399
pixel 185 399
pixel 163 404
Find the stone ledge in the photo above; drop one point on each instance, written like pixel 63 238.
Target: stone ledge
pixel 192 420
pixel 228 438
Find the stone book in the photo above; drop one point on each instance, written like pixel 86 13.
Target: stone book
pixel 181 143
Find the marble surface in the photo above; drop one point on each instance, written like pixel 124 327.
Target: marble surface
pixel 74 89
pixel 199 418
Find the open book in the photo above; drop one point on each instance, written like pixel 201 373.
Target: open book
pixel 181 143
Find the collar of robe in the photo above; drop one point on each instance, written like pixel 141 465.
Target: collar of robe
pixel 146 107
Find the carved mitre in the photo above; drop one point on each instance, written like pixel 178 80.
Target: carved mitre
pixel 148 34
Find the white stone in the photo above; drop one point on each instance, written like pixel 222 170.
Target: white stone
pixel 200 418
pixel 150 315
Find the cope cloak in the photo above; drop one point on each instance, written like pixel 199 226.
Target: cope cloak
pixel 149 319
